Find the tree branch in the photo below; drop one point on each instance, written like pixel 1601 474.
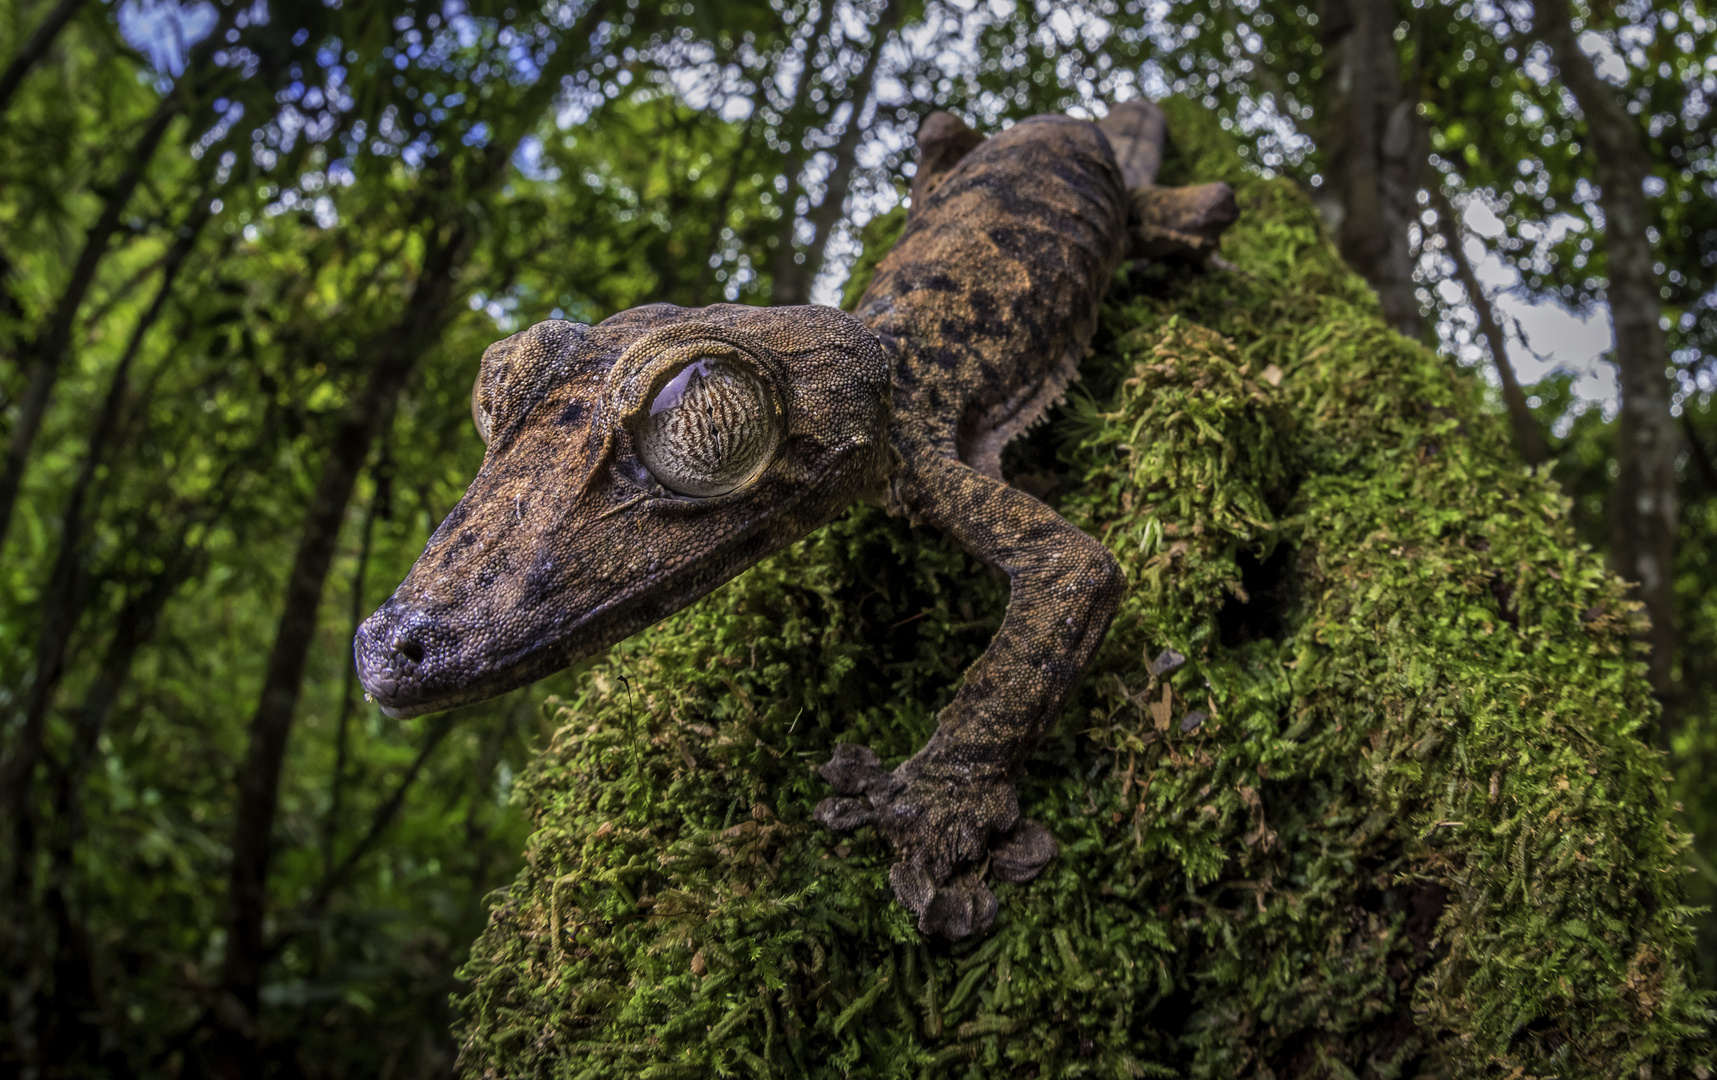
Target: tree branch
pixel 1527 438
pixel 781 262
pixel 348 688
pixel 1643 508
pixel 35 48
pixel 235 1052
pixel 53 338
pixel 797 288
pixel 63 598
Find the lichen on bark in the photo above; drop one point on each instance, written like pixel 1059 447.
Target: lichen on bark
pixel 1395 816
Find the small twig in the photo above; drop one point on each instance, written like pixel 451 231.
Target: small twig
pixel 912 619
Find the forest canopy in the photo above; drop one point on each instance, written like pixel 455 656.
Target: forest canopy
pixel 250 254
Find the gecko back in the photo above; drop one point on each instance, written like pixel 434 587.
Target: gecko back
pixel 992 293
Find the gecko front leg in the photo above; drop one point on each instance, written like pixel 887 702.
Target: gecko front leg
pixel 950 810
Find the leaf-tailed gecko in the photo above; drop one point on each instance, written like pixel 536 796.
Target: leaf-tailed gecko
pixel 637 464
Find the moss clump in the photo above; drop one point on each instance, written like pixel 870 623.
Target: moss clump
pixel 1394 817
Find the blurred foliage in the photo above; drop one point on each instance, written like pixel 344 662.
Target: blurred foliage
pixel 219 221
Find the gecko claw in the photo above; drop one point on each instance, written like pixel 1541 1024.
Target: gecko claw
pixel 956 909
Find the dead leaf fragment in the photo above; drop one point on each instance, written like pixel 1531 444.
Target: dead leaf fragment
pixel 1160 709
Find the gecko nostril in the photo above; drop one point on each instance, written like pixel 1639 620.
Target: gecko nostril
pixel 409 648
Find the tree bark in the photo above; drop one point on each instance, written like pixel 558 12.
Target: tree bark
pixel 35 47
pixel 1375 145
pixel 793 285
pixel 1527 438
pixel 1643 505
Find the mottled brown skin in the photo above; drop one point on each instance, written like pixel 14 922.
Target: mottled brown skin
pixel 974 324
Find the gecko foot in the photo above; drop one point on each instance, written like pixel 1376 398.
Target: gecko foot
pixel 948 827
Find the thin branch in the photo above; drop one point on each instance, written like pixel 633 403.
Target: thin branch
pixel 348 689
pixel 65 595
pixel 1527 437
pixel 825 214
pixel 234 1050
pixel 797 120
pixel 384 814
pixel 35 48
pixel 1698 454
pixel 53 338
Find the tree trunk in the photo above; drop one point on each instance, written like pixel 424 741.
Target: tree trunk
pixel 1527 438
pixel 349 685
pixel 235 1050
pixel 793 283
pixel 706 292
pixel 799 117
pixel 1643 502
pixel 1375 145
pixel 63 597
pixel 69 1021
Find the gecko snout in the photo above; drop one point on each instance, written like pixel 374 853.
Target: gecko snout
pixel 393 649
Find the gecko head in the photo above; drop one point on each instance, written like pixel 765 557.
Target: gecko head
pixel 631 468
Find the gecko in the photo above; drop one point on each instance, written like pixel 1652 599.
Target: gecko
pixel 635 465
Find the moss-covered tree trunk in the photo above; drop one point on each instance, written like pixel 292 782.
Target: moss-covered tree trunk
pixel 1395 816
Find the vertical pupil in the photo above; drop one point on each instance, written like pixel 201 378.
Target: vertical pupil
pixel 709 428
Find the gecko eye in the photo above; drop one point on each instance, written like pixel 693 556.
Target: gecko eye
pixel 479 415
pixel 710 429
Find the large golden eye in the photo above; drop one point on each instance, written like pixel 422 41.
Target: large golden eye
pixel 479 414
pixel 710 429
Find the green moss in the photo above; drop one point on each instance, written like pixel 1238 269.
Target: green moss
pixel 1417 832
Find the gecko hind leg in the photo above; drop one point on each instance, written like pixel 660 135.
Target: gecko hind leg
pixel 1163 222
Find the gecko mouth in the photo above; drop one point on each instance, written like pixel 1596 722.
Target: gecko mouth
pixel 398 654
pixel 411 664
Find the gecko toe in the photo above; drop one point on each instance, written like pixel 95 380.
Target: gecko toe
pixel 959 909
pixel 912 885
pixel 853 770
pixel 1022 854
pixel 949 828
pixel 844 814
